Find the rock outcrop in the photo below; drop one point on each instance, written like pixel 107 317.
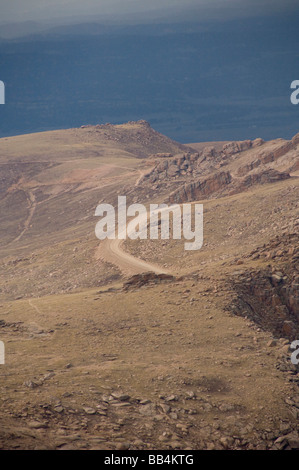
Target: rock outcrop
pixel 201 189
pixel 270 296
pixel 169 167
pixel 263 177
pixel 199 175
pixel 271 300
pixel 139 280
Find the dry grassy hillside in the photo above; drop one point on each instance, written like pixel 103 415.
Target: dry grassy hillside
pixel 99 359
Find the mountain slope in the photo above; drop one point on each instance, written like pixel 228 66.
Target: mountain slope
pixel 199 359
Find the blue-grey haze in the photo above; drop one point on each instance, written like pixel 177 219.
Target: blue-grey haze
pixel 191 81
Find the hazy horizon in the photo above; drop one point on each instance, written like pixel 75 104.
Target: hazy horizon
pixel 217 70
pixel 138 11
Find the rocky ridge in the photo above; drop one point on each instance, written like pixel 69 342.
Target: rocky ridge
pixel 200 175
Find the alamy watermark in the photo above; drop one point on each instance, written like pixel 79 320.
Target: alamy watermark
pixel 295 354
pixel 174 222
pixel 2 92
pixel 295 94
pixel 2 353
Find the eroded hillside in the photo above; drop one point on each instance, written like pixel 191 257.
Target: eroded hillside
pixel 101 356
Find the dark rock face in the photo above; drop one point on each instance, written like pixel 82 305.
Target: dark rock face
pixel 201 189
pixel 263 177
pixel 223 182
pixel 270 297
pixel 139 280
pixel 271 301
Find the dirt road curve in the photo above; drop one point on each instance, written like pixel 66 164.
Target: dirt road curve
pixel 111 251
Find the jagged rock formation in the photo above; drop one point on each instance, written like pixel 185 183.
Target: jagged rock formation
pixel 271 300
pixel 167 167
pixel 271 297
pixel 198 175
pixel 267 176
pixel 201 189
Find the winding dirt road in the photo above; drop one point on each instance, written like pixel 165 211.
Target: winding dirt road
pixel 111 251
